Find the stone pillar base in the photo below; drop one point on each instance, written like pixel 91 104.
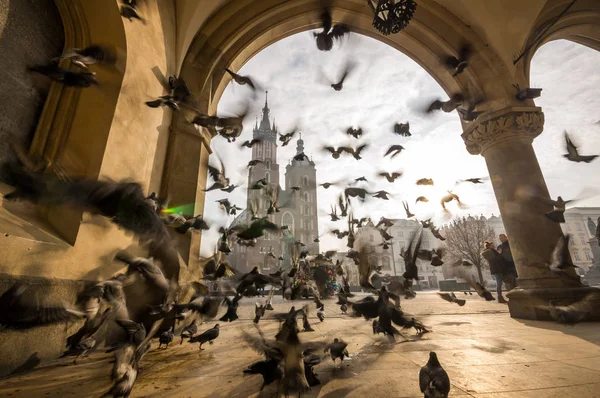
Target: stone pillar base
pixel 532 303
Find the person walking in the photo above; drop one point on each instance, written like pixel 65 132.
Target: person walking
pixel 511 271
pixel 497 267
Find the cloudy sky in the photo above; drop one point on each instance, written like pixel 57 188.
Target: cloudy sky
pixel 387 87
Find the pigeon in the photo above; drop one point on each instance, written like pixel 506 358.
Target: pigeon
pixel 250 144
pixel 340 84
pixel 470 114
pixel 407 210
pixel 232 307
pixel 343 208
pixel 241 80
pixel 194 224
pixel 579 311
pixel 447 106
pixel 424 181
pixel 300 157
pixel 259 312
pixel 356 133
pixel 162 101
pixel 337 349
pixel 146 268
pixel 433 379
pixel 364 179
pixel 256 229
pixel 129 10
pixel 561 259
pixel 478 180
pixel 286 138
pixel 417 325
pixel 326 185
pixel 572 153
pixel 333 214
pixel 90 55
pixel 451 298
pixel 434 255
pixel 325 38
pixel 189 331
pixel 558 214
pixel 394 150
pixel 386 222
pixel 253 278
pixel 381 195
pixel 421 199
pixel 449 198
pixel 320 315
pixel 218 176
pixel 458 64
pixel 355 152
pixel 335 153
pixel 390 177
pixel 207 337
pixel 344 308
pixel 355 192
pixel 84 340
pixel 402 129
pixel 166 338
pixel 65 76
pixel 254 162
pixel 270 370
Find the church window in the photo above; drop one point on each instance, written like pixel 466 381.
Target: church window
pixel 267 150
pixel 401 234
pixel 306 196
pixel 268 177
pixel 312 226
pixel 576 255
pixel 306 211
pixel 587 255
pixel 582 238
pixel 301 224
pixel 259 151
pixel 268 164
pixel 305 181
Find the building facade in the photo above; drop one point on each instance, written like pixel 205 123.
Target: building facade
pixel 390 260
pixel 298 208
pixel 580 223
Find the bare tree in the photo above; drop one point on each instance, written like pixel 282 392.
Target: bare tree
pixel 464 240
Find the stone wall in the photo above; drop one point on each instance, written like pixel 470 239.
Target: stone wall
pixel 133 147
pixel 31 33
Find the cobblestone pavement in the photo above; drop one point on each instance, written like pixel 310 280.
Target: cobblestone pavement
pixel 486 354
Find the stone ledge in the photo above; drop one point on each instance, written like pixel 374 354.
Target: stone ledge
pixel 529 303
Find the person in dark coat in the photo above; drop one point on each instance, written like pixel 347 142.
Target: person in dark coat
pixel 497 267
pixel 504 249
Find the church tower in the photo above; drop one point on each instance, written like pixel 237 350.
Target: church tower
pixel 303 174
pixel 298 209
pixel 266 152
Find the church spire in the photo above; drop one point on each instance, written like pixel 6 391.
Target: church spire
pixel 264 123
pixel 300 145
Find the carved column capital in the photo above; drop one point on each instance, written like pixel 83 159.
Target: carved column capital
pixel 507 123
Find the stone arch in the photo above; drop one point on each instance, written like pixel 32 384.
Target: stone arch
pixel 241 28
pixel 580 24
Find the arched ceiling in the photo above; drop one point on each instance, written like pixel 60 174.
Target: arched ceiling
pixel 214 34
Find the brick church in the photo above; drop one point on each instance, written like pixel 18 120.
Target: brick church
pixel 298 209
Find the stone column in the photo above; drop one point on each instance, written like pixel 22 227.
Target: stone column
pixel 504 138
pixel 184 179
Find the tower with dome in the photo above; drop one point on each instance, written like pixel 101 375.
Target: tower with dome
pixel 298 208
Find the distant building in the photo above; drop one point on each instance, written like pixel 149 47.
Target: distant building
pixel 389 259
pixel 580 224
pixel 298 208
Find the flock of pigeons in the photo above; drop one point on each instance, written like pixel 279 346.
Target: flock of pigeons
pixel 109 321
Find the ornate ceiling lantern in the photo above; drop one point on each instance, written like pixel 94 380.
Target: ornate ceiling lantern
pixel 391 16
